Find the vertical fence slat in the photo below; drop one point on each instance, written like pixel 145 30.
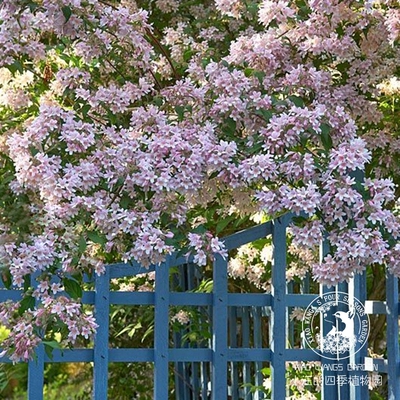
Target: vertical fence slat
pixel 220 332
pixel 102 311
pixel 278 315
pixel 246 344
pixel 36 375
pixel 343 372
pixel 392 335
pixel 181 374
pixel 205 378
pixel 161 331
pixel 328 374
pixel 358 288
pixel 36 366
pixel 257 336
pixel 233 343
pixel 179 370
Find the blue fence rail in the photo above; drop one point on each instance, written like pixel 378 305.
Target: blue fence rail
pixel 248 332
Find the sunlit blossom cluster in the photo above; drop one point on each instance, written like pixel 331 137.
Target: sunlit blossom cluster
pixel 23 338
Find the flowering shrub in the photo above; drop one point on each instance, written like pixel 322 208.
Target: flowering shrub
pixel 129 130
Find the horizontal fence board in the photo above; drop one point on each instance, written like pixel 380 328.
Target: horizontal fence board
pixel 190 354
pixel 14 295
pixel 299 300
pixel 128 269
pixel 247 236
pixel 375 307
pixel 250 299
pixel 191 299
pixel 71 355
pixel 131 355
pixel 376 364
pixel 132 298
pixel 243 354
pixel 301 355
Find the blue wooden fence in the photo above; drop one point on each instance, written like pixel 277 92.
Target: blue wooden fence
pixel 249 331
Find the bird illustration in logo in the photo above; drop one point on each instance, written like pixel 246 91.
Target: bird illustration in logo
pixel 347 319
pixel 340 341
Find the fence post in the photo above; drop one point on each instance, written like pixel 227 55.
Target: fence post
pixel 36 375
pixel 161 331
pixel 392 336
pixel 220 331
pixel 36 366
pixel 358 289
pixel 102 311
pixel 278 314
pixel 328 390
pixel 343 363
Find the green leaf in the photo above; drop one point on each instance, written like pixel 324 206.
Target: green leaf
pixel 15 66
pixel 205 286
pixel 326 137
pixel 27 303
pixel 187 55
pixel 82 245
pixel 148 332
pixel 303 140
pixel 27 283
pixel 158 101
pixel 180 111
pixel 260 76
pixel 67 12
pixel 96 237
pixel 300 220
pixel 214 174
pixel 230 126
pixel 85 109
pixel 73 288
pixel 297 101
pixel 223 223
pixel 125 201
pixel 248 72
pixel 225 63
pixel 266 114
pixel 49 346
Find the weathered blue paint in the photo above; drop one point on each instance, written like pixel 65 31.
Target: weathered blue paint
pixel 233 358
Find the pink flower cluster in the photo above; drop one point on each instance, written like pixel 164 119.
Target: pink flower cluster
pixel 26 330
pixel 123 139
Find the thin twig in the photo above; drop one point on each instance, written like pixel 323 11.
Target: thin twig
pixel 163 51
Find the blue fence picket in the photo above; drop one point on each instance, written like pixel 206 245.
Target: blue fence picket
pixel 100 350
pixel 36 375
pixel 257 337
pixel 220 330
pixel 36 367
pixel 161 332
pixel 278 315
pixel 358 289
